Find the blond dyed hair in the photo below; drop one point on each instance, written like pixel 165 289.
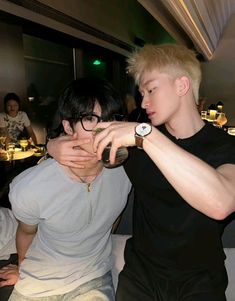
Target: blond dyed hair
pixel 175 60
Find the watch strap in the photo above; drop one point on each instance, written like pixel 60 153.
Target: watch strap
pixel 139 141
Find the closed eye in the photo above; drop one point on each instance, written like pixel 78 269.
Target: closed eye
pixel 151 90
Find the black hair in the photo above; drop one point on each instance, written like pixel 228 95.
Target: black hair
pixel 10 96
pixel 80 96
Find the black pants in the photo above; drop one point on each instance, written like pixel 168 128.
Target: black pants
pixel 139 282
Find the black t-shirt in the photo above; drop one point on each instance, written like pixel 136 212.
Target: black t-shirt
pixel 166 229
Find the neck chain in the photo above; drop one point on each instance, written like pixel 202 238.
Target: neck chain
pixel 82 180
pixel 85 182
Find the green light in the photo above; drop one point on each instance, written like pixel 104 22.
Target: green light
pixel 96 62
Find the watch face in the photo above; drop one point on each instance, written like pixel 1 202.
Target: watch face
pixel 143 129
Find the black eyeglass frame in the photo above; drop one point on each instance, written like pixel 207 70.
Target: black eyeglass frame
pixel 99 119
pixel 117 117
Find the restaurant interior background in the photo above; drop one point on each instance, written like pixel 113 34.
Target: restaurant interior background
pixel 46 43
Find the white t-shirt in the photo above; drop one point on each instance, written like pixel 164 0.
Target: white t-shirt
pixel 72 244
pixel 14 125
pixel 8 226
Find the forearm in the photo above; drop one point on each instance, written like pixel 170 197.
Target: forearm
pixel 23 242
pixel 32 134
pixel 203 187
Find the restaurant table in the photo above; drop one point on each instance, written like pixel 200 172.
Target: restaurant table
pixel 20 155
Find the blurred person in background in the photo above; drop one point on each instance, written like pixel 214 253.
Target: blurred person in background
pixel 14 120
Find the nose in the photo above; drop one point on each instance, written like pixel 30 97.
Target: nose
pixel 145 102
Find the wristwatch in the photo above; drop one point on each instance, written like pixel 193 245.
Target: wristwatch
pixel 141 131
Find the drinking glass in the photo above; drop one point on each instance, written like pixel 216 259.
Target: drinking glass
pixel 23 143
pixel 10 150
pixel 3 136
pixel 204 115
pixel 121 154
pixel 221 119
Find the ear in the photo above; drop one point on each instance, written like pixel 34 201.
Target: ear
pixel 182 85
pixel 67 128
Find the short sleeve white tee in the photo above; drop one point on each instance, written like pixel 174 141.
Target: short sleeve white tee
pixel 14 125
pixel 72 244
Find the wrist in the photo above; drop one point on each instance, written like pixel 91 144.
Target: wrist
pixel 142 130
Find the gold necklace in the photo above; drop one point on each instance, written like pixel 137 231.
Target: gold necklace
pixel 84 182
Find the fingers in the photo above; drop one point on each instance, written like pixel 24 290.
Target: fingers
pixel 8 267
pixel 9 275
pixel 10 281
pixel 5 283
pixel 73 164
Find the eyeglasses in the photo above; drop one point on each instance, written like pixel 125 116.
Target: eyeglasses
pixel 90 121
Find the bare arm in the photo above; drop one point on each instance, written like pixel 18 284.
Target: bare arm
pixel 209 190
pixel 31 134
pixel 24 237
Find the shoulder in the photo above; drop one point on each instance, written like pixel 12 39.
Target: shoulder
pixel 2 115
pixel 117 175
pixel 31 178
pixel 22 114
pixel 220 135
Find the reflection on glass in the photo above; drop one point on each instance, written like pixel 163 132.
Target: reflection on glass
pixel 10 150
pixel 23 143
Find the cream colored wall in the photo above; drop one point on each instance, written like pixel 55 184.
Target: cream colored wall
pixel 218 81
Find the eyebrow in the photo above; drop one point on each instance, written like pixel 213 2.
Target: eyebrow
pixel 147 82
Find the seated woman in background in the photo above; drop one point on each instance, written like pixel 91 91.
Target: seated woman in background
pixel 14 120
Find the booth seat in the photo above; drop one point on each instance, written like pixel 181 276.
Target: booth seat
pixel 119 242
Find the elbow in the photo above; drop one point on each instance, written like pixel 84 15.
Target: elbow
pixel 221 212
pixel 220 215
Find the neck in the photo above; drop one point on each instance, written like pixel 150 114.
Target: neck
pixel 186 123
pixel 12 114
pixel 86 175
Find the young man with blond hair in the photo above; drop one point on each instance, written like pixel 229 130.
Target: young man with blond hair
pixel 182 172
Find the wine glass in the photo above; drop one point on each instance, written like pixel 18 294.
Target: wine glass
pixel 221 120
pixel 23 143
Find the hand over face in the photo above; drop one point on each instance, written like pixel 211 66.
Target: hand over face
pixel 67 150
pixel 9 275
pixel 117 133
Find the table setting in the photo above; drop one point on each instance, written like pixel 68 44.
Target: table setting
pixel 20 150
